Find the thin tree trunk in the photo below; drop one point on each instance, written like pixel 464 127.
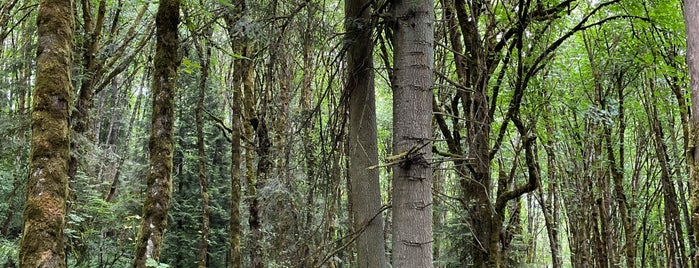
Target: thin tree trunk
pixel 251 180
pixel 673 227
pixel 109 197
pixel 630 246
pixel 363 148
pixel 113 129
pixel 159 189
pixel 204 55
pixel 680 93
pixel 306 99
pixel 236 160
pixel 548 203
pixel 263 169
pixel 603 246
pixel 476 188
pixel 412 82
pixel 242 81
pixel 439 215
pixel 533 177
pixel 42 243
pixel 308 140
pixel 249 125
pixel 5 17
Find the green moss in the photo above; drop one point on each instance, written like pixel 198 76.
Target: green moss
pixel 159 190
pixel 45 208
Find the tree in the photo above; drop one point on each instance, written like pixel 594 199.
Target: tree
pixel 42 242
pixel 241 69
pixel 561 134
pixel 413 59
pixel 691 12
pixel 204 55
pixel 363 149
pixel 159 188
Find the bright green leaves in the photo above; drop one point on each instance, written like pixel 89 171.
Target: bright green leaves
pixel 189 66
pixel 150 262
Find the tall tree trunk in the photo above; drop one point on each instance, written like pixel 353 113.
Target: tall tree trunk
pixel 680 92
pixel 264 167
pixel 549 204
pixel 250 174
pixel 204 55
pixel 533 177
pixel 308 140
pixel 42 243
pixel 363 148
pixel 241 80
pixel 628 224
pixel 475 190
pixel 691 12
pixel 673 226
pixel 242 45
pixel 236 160
pixel 413 57
pixel 159 189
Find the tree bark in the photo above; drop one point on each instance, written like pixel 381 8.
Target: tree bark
pixel 413 57
pixel 241 81
pixel 250 173
pixel 159 189
pixel 42 243
pixel 204 55
pixel 691 12
pixel 549 204
pixel 363 147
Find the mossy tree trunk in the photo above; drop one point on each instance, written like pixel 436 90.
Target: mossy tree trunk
pixel 42 242
pixel 236 160
pixel 242 107
pixel 159 189
pixel 231 18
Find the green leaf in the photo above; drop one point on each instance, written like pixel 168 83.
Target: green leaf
pixel 150 262
pixel 189 66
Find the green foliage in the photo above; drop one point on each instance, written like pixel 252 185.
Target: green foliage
pixel 190 67
pixel 150 262
pixel 9 249
pixel 305 201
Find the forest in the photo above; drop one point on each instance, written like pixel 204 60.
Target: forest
pixel 349 133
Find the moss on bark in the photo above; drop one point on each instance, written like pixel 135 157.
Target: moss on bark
pixel 159 189
pixel 45 208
